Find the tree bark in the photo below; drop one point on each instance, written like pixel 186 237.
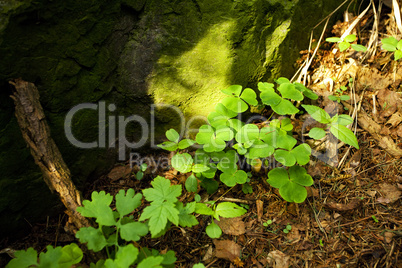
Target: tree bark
pixel 36 133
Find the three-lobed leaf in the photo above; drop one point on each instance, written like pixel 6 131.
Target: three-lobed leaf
pixel 98 208
pixel 94 237
pixel 290 182
pixel 23 258
pixel 127 202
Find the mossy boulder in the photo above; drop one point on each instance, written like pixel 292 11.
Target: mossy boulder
pixel 131 54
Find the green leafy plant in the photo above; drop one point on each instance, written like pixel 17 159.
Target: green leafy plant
pixel 338 96
pixel 392 44
pixel 287 229
pixel 374 218
pixel 225 140
pixel 165 208
pixel 140 173
pixel 345 43
pixel 62 257
pixel 173 141
pixel 267 223
pixel 116 229
pixel 337 125
pixel 224 209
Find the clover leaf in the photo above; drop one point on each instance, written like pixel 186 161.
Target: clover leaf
pixel 231 179
pixel 173 144
pixel 182 162
pixel 289 91
pixel 290 182
pixel 214 140
pixel 237 102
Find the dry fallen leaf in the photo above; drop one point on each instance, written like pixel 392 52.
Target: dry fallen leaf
pixel 388 101
pixel 388 237
pixel 395 119
pixel 278 259
pixel 344 207
pixel 119 172
pixel 232 226
pixel 390 193
pixel 227 249
pixel 209 254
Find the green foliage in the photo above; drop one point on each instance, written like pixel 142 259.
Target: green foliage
pixel 140 174
pixel 60 257
pixel 173 144
pixel 287 229
pixel 267 223
pixel 336 124
pixel 224 139
pixel 224 209
pixel 290 182
pixel 346 43
pixel 393 45
pixel 116 229
pixel 338 96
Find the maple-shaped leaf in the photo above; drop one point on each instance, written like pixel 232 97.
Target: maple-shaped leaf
pixel 158 214
pixel 51 257
pixel 162 191
pixel 98 208
pixel 126 203
pixel 24 258
pixel 94 237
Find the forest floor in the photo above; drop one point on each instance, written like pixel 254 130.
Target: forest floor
pixel 352 216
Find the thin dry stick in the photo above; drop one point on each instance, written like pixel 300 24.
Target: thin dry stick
pixel 47 156
pixel 397 14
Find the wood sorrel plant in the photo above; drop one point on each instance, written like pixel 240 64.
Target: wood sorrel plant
pixel 225 138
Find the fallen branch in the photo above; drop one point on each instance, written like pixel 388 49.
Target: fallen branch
pixel 36 134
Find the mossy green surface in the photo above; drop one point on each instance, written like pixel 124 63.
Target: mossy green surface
pixel 132 54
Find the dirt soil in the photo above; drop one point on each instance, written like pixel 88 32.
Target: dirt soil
pixel 352 216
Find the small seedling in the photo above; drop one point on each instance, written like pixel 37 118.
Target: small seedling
pixel 321 243
pixel 374 218
pixel 338 96
pixel 391 44
pixel 140 174
pixel 267 223
pixel 345 43
pixel 287 229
